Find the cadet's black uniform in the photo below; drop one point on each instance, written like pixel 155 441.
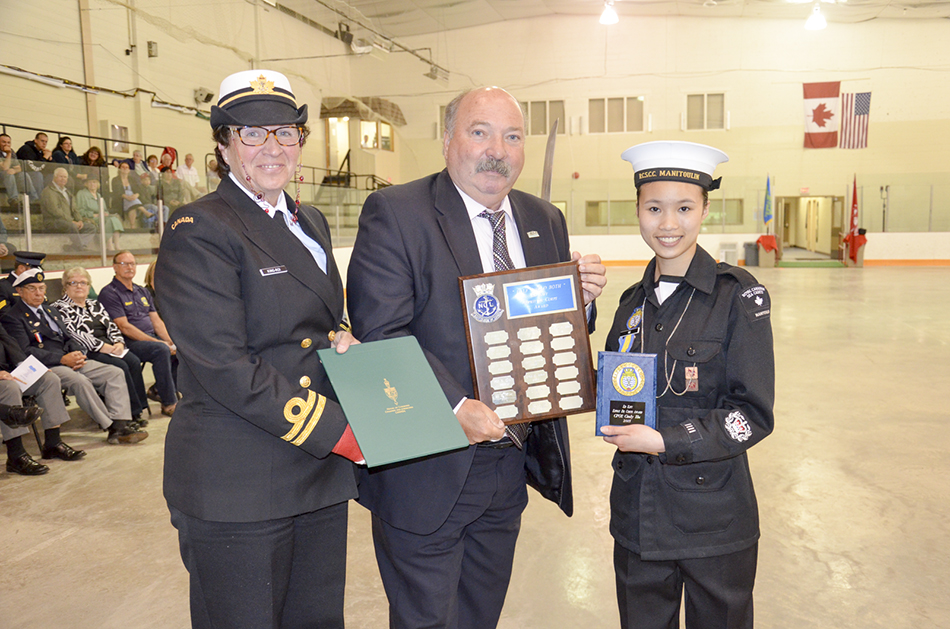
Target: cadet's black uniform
pixel 672 512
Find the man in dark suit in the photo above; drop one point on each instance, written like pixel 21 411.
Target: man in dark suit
pixel 48 392
pixel 256 472
pixel 23 260
pixel 445 527
pixel 40 331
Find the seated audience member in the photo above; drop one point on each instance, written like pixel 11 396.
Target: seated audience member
pixel 132 308
pixel 23 260
pixel 170 191
pixel 40 330
pixel 190 180
pixel 126 193
pixel 16 419
pixel 11 174
pixel 60 215
pixel 149 199
pixel 150 284
pixel 211 172
pixel 64 153
pixel 90 325
pixel 137 163
pixel 34 157
pixel 93 157
pixel 153 169
pixel 87 204
pixel 168 160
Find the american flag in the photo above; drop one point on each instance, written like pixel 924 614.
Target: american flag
pixel 855 111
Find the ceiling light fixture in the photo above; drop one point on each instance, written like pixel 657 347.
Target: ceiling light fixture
pixel 609 16
pixel 816 21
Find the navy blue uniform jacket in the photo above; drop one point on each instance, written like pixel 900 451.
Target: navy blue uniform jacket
pixel 248 307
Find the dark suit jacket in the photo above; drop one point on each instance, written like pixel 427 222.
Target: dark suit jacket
pixel 23 324
pixel 10 353
pixel 248 307
pixel 414 242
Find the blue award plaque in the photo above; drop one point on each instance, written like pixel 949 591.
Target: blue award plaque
pixel 626 389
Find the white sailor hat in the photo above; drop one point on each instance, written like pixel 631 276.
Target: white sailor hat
pixel 29 276
pixel 675 161
pixel 256 97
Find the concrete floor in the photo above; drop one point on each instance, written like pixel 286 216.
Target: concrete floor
pixel 851 489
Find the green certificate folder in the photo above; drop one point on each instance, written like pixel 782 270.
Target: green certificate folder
pixel 392 400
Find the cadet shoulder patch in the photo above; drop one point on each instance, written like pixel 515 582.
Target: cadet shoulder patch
pixel 756 302
pixel 182 220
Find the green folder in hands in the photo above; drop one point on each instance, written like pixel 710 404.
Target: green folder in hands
pixel 392 400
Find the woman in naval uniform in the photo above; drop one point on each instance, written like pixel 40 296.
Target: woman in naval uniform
pixel 683 510
pixel 257 475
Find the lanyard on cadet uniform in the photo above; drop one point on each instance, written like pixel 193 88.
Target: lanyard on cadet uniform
pixel 666 370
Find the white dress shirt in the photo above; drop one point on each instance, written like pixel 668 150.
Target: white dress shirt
pixel 485 237
pixel 319 255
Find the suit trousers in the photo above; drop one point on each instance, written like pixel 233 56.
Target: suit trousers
pixel 131 368
pixel 287 573
pixel 718 590
pixel 90 380
pixel 48 392
pixel 457 576
pixel 164 366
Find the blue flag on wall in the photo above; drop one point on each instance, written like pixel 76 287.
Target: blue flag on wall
pixel 767 208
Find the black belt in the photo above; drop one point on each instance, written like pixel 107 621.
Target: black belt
pixel 497 445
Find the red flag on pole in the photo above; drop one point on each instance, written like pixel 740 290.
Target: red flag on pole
pixel 854 239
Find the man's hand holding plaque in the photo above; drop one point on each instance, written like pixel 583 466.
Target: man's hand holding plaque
pixel 528 341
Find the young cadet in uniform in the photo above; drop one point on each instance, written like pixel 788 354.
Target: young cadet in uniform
pixel 683 510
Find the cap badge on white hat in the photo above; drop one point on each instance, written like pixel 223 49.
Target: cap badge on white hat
pixel 261 85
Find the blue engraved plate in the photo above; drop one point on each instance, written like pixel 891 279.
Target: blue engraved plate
pixel 626 389
pixel 535 297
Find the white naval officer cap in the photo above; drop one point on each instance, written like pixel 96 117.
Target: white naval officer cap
pixel 257 98
pixel 675 161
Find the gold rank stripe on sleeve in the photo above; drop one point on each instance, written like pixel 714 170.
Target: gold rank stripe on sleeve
pixel 296 411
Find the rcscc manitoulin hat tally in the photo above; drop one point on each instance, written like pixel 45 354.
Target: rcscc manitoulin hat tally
pixel 257 98
pixel 675 161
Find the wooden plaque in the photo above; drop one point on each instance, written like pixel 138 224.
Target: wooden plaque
pixel 528 343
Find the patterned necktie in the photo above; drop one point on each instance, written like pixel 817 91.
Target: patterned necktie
pixel 502 261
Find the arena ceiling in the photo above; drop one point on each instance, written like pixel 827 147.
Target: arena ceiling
pixel 405 18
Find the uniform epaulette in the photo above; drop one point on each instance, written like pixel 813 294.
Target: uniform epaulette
pixel 745 279
pixel 754 297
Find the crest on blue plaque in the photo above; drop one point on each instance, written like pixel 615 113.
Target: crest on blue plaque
pixel 486 307
pixel 626 389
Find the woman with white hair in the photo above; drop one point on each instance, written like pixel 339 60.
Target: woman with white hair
pixel 89 324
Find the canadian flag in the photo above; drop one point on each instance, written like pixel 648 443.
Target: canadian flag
pixel 821 114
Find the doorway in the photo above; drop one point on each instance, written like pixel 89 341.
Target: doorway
pixel 810 227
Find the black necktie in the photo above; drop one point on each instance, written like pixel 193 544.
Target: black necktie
pixel 46 320
pixel 502 262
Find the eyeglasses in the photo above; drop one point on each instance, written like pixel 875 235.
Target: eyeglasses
pixel 257 136
pixel 82 283
pixel 123 263
pixel 34 288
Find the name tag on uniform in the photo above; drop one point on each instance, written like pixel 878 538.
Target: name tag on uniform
pixel 533 234
pixel 273 270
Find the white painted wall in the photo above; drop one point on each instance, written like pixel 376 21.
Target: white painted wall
pixel 759 65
